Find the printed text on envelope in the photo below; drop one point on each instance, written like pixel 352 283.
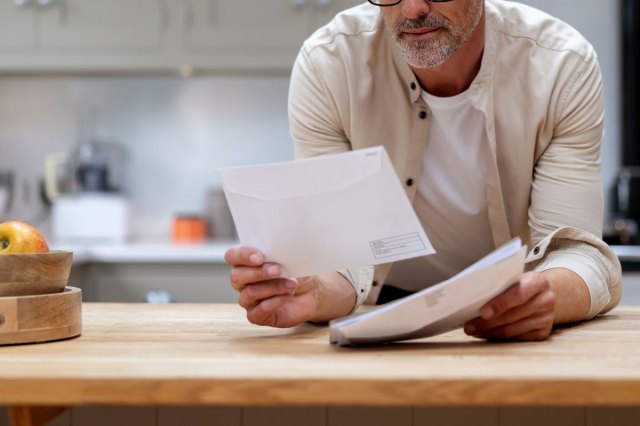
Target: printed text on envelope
pixel 398 245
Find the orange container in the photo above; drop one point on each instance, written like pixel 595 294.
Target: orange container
pixel 189 229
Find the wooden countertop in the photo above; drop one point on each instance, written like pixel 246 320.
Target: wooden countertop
pixel 209 354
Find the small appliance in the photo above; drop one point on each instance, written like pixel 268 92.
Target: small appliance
pixel 91 218
pixel 624 228
pixel 85 190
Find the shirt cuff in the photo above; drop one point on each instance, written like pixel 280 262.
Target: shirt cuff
pixel 361 279
pixel 587 256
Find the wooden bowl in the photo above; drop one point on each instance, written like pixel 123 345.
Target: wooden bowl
pixel 37 273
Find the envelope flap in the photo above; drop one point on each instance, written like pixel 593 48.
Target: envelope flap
pixel 303 177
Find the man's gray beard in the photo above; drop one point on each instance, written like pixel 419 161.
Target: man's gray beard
pixel 431 53
pixel 425 53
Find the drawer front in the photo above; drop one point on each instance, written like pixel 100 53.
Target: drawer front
pixel 182 283
pixel 630 288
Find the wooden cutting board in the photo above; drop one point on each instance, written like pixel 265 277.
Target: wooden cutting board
pixel 41 318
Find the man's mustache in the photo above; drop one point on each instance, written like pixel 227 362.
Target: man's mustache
pixel 427 21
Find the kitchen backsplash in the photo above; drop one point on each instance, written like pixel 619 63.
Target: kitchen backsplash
pixel 175 132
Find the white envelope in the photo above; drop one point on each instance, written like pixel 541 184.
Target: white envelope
pixel 325 213
pixel 437 309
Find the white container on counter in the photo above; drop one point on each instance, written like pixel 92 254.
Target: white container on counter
pixel 101 218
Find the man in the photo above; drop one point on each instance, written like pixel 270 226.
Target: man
pixel 492 115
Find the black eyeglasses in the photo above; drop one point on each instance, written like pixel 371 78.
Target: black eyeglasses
pixel 385 3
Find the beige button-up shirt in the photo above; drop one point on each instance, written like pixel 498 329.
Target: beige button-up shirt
pixel 540 90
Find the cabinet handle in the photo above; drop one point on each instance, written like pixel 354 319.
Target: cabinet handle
pixel 324 4
pixel 61 8
pixel 159 297
pixel 22 3
pixel 164 14
pixel 188 15
pixel 212 11
pixel 298 3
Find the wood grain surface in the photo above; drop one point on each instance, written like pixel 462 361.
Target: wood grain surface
pixel 205 354
pixel 41 318
pixel 34 273
pixel 33 416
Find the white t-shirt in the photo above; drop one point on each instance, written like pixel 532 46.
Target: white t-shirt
pixel 452 191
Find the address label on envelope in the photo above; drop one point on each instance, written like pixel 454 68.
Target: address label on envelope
pixel 325 213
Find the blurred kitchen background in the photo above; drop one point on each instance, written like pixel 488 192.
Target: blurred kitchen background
pixel 115 116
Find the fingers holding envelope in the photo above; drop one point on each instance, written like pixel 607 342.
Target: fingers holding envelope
pixel 255 293
pixel 523 312
pixel 249 267
pixel 263 293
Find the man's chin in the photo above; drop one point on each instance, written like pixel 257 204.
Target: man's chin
pixel 416 57
pixel 424 65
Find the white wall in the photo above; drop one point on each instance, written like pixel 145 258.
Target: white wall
pixel 176 132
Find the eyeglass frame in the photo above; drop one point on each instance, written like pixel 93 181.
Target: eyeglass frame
pixel 400 1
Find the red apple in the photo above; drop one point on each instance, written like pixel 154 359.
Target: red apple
pixel 20 237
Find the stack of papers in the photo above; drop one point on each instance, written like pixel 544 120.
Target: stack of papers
pixel 437 309
pixel 325 213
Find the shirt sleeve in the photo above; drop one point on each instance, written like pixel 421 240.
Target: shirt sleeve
pixel 314 120
pixel 317 129
pixel 566 211
pixel 586 255
pixel 361 280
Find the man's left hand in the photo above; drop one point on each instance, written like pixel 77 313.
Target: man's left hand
pixel 526 311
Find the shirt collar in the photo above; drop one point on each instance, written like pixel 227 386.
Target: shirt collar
pixel 479 86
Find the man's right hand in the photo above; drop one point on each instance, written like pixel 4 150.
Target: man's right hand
pixel 268 298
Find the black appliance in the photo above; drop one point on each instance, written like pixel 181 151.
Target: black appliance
pixel 626 195
pixel 631 83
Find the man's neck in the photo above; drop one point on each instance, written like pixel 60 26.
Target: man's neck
pixel 455 75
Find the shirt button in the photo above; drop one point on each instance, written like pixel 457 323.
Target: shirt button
pixel 374 283
pixel 409 182
pixel 536 250
pixel 422 115
pixel 413 85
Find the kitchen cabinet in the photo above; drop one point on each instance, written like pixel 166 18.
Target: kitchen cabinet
pixel 252 33
pixel 17 27
pixel 95 26
pixel 157 35
pixel 82 35
pixel 630 288
pixel 154 282
pixel 48 28
pixel 182 273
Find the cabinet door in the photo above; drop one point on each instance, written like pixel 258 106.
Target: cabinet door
pixel 227 32
pixel 98 25
pixel 631 288
pixel 17 26
pixel 184 283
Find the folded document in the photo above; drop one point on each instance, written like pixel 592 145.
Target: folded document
pixel 325 213
pixel 437 309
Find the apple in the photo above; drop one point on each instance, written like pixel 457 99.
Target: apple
pixel 20 237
